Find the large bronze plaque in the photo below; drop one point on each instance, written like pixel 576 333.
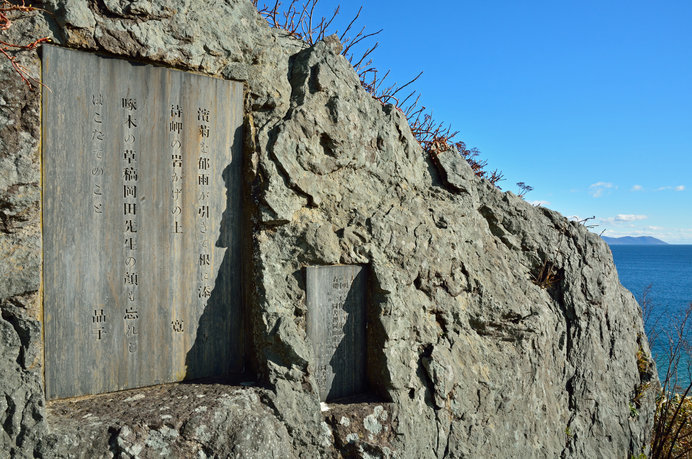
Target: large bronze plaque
pixel 336 300
pixel 141 224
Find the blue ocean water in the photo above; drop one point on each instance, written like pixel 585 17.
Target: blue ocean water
pixel 666 271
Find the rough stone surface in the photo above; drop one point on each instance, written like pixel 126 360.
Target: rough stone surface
pixel 454 170
pixel 180 420
pixel 473 351
pixel 22 404
pixel 361 429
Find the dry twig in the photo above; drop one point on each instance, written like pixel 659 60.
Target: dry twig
pixel 7 10
pixel 298 19
pixel 672 432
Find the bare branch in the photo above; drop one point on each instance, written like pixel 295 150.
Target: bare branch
pixel 301 22
pixel 7 49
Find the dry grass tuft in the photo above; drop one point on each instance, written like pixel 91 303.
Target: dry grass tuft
pixel 547 276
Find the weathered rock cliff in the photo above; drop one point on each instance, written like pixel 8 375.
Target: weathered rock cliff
pixel 472 352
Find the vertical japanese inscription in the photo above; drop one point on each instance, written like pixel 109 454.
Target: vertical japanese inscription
pixel 141 172
pixel 130 176
pixel 97 139
pixel 336 300
pixel 204 245
pixel 175 136
pixel 175 129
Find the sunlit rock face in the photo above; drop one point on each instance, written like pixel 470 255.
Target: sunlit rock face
pixel 494 328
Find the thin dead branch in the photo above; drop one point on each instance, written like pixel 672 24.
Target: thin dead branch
pixel 10 12
pixel 299 19
pixel 673 417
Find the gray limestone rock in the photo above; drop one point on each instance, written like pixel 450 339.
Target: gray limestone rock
pixel 179 420
pixel 473 351
pixel 454 171
pixel 22 405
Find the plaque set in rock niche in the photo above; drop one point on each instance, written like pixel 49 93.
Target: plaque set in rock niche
pixel 336 301
pixel 141 224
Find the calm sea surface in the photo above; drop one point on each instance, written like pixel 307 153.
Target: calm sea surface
pixel 667 269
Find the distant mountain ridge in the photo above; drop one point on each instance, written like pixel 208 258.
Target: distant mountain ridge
pixel 630 240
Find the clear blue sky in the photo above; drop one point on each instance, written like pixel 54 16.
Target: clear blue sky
pixel 589 102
